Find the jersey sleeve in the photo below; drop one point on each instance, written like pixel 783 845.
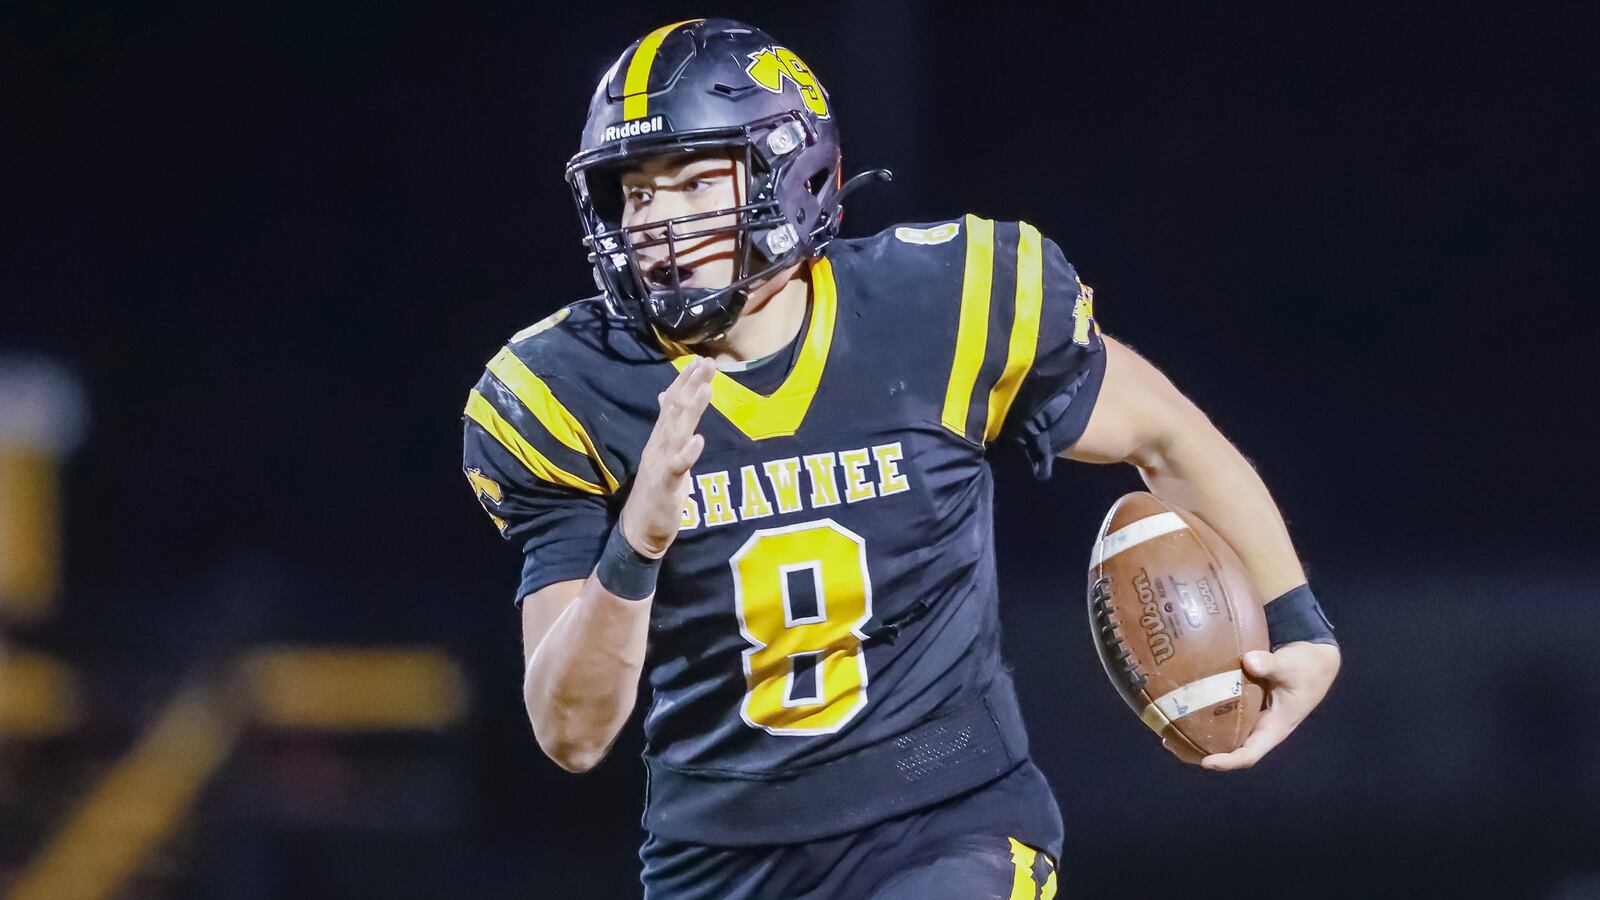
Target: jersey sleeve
pixel 537 472
pixel 1057 392
pixel 1028 358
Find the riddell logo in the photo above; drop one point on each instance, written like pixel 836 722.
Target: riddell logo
pixel 634 128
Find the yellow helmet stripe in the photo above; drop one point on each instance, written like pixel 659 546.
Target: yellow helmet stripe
pixel 479 410
pixel 542 402
pixel 635 102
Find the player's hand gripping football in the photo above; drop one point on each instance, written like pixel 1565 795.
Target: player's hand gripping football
pixel 654 510
pixel 1296 678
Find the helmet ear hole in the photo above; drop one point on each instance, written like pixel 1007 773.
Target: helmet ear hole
pixel 817 182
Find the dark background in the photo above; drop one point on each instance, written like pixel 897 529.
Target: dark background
pixel 277 242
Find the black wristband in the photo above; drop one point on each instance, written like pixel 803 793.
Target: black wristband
pixel 625 571
pixel 1295 616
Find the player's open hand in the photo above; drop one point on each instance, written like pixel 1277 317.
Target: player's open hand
pixel 654 510
pixel 1296 677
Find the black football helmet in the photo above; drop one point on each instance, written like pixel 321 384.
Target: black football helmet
pixel 688 87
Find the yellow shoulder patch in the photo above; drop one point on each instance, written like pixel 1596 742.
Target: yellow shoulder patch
pixel 938 234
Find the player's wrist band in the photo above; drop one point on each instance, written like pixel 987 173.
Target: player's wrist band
pixel 625 571
pixel 1295 616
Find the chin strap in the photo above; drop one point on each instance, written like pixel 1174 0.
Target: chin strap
pixel 833 214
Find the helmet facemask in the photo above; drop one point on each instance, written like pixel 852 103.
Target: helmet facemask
pixel 766 239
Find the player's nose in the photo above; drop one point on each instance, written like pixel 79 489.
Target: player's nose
pixel 664 206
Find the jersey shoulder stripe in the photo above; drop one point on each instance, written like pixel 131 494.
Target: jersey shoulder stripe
pixel 486 416
pixel 535 394
pixel 518 404
pixel 972 332
pixel 1024 338
pixel 1002 303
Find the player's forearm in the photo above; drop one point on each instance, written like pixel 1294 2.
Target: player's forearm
pixel 583 675
pixel 1196 468
pixel 582 678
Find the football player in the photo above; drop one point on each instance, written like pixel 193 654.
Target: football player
pixel 754 467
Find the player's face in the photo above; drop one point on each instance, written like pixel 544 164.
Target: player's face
pixel 666 187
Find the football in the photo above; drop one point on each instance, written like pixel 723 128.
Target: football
pixel 1172 613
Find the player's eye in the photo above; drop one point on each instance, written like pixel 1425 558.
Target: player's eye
pixel 695 185
pixel 639 195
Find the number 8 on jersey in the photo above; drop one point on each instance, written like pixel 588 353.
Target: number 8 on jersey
pixel 832 561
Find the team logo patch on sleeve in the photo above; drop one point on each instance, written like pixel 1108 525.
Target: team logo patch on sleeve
pixel 489 494
pixel 938 234
pixel 1083 315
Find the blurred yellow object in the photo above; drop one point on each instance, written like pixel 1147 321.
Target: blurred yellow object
pixel 38 696
pixel 42 419
pixel 149 793
pixel 30 533
pixel 137 806
pixel 342 689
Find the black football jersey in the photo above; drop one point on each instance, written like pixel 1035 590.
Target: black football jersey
pixel 824 648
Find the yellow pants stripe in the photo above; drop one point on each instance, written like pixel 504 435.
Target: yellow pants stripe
pixel 1024 329
pixel 481 411
pixel 635 102
pixel 972 334
pixel 538 398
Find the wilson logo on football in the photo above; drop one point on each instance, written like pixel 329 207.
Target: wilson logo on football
pixel 771 66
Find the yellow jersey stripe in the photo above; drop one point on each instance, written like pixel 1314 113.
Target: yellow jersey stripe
pixel 780 413
pixel 1024 329
pixel 480 410
pixel 973 333
pixel 538 398
pixel 635 102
